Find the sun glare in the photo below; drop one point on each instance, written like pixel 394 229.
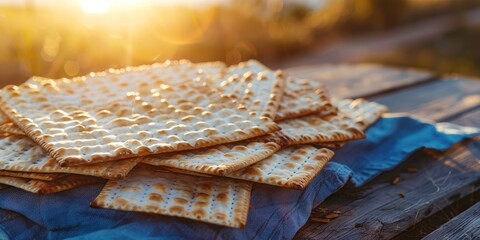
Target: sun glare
pixel 95 6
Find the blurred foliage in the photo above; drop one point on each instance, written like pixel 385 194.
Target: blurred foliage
pixel 359 16
pixel 455 52
pixel 63 41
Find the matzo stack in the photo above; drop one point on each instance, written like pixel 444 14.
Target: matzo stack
pixel 45 187
pixel 131 117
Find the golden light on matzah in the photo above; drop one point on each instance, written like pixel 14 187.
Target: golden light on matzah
pixel 220 127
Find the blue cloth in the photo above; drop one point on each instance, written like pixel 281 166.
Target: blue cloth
pixel 275 213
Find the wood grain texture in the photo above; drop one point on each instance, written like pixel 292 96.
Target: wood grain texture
pixel 464 226
pixel 381 210
pixel 361 80
pixel 439 100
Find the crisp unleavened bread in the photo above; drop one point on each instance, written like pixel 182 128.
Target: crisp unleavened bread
pixel 31 175
pixel 21 154
pixel 219 201
pixel 219 160
pixel 113 116
pixel 302 97
pixel 364 112
pixel 259 89
pixel 10 128
pixel 291 167
pixel 4 119
pixel 317 128
pixel 45 187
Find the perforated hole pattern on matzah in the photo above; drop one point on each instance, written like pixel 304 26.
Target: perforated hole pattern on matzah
pixel 220 160
pixel 132 116
pixel 219 201
pixel 258 88
pixel 21 154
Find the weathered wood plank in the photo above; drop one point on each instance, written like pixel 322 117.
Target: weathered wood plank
pixel 381 210
pixel 464 226
pixel 440 100
pixel 363 80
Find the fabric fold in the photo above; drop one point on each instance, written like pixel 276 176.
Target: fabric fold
pixel 275 213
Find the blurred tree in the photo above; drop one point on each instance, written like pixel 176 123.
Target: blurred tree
pixel 362 15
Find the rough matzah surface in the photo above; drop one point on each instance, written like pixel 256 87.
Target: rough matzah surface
pixel 317 128
pixel 21 154
pixel 303 97
pixel 37 176
pixel 254 86
pixel 364 112
pixel 292 167
pixel 11 128
pixel 44 187
pixel 213 200
pixel 111 116
pixel 3 119
pixel 220 159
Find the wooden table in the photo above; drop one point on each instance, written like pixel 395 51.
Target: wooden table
pixel 437 193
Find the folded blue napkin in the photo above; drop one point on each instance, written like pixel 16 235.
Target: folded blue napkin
pixel 275 213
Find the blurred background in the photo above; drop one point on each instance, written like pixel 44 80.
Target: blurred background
pixel 73 37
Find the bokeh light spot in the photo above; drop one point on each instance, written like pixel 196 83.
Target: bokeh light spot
pixel 71 68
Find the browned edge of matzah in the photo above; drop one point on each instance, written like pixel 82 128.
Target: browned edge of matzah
pixel 301 182
pixel 22 122
pixel 275 96
pixel 356 134
pixel 324 107
pixel 33 175
pixel 298 182
pixel 242 210
pixel 11 128
pixel 227 167
pixel 46 187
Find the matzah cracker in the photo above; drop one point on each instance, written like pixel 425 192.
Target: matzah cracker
pixel 302 98
pixel 21 154
pixel 210 69
pixel 3 119
pixel 218 160
pixel 30 175
pixel 257 88
pixel 292 167
pixel 364 112
pixel 11 128
pixel 212 200
pixel 45 187
pixel 157 72
pixel 181 171
pixel 114 116
pixel 317 128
